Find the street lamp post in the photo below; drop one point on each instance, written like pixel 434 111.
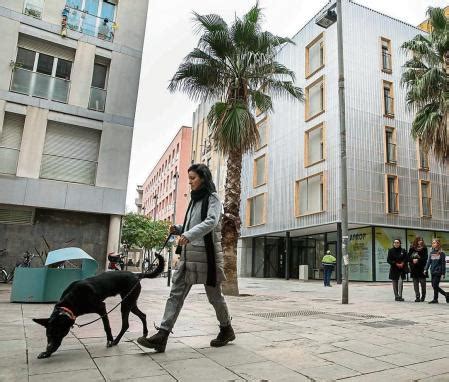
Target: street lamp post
pixel 175 176
pixel 325 20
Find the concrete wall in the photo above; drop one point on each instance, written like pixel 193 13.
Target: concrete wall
pixel 89 231
pixel 9 30
pixel 53 11
pixel 15 5
pixel 131 20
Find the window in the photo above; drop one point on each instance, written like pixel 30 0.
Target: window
pixel 425 199
pixel 314 55
pixel 92 17
pixel 41 75
pixel 255 210
pixel 390 145
pixel 423 157
pixel 310 195
pixel 262 126
pixel 260 171
pixel 314 145
pixel 97 98
pixel 388 101
pixel 392 194
pixel 10 142
pixel 33 8
pixel 386 54
pixel 314 99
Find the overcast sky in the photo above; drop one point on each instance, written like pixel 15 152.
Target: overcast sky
pixel 169 38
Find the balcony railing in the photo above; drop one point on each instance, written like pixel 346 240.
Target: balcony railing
pixel 91 25
pixel 389 106
pixel 8 160
pixel 97 99
pixel 66 169
pixel 391 152
pixel 32 10
pixel 40 85
pixel 386 61
pixel 393 198
pixel 426 206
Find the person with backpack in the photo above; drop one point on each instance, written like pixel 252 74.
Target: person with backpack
pixel 437 265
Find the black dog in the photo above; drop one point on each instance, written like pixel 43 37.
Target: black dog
pixel 87 296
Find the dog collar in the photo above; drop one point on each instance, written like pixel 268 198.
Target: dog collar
pixel 68 312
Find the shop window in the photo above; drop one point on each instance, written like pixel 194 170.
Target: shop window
pixel 392 194
pixel 315 56
pixel 314 145
pixel 314 99
pixel 390 145
pixel 255 210
pixel 310 195
pixel 425 197
pixel 386 55
pixel 260 171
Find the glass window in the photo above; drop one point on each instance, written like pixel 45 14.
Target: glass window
pixel 107 11
pixel 423 158
pixel 426 201
pixel 260 172
pixel 386 54
pixel 383 242
pixel 388 98
pixel 314 56
pixel 33 8
pixel 63 69
pixel 314 99
pixel 256 207
pixel 262 126
pixel 360 251
pixel 74 3
pixel 99 76
pixel 314 145
pixel 91 7
pixel 392 195
pixel 45 64
pixel 311 195
pixel 390 146
pixel 25 58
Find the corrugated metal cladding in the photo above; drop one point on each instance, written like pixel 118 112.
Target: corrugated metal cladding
pixel 365 123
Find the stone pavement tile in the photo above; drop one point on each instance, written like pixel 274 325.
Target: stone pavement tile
pixel 99 349
pixel 61 361
pixel 432 368
pixel 436 378
pixel 356 362
pixel 157 378
pixel 11 332
pixel 364 348
pixel 399 374
pixel 293 358
pixel 128 366
pixel 323 336
pixel 197 342
pixel 13 372
pixel 12 346
pixel 404 346
pixel 403 359
pixel 252 341
pixel 200 369
pixel 37 345
pixel 328 372
pixel 90 375
pixel 267 371
pixel 278 335
pixel 313 348
pixel 175 351
pixel 230 355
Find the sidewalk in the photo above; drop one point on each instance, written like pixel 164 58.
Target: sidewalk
pixel 286 331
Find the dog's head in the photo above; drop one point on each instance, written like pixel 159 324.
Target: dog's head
pixel 57 327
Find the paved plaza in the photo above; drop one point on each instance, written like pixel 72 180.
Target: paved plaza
pixel 286 331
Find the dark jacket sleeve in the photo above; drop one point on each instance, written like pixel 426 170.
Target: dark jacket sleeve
pixel 424 257
pixel 443 264
pixel 427 264
pixel 390 259
pixel 409 254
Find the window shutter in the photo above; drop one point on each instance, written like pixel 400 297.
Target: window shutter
pixel 10 140
pixel 46 47
pixel 10 215
pixel 70 153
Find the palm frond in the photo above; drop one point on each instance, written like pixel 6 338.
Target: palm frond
pixel 260 101
pixel 209 23
pixel 282 89
pixel 437 19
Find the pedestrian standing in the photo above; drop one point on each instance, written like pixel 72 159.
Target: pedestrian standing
pixel 201 260
pixel 437 264
pixel 397 258
pixel 328 263
pixel 417 257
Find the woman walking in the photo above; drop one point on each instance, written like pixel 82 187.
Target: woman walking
pixel 397 258
pixel 437 264
pixel 201 260
pixel 417 256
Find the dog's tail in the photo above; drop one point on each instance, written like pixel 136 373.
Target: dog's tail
pixel 156 271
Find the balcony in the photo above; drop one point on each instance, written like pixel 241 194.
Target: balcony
pixel 8 160
pixel 97 99
pixel 88 24
pixel 40 85
pixel 32 9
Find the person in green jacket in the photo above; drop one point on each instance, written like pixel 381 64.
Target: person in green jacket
pixel 328 263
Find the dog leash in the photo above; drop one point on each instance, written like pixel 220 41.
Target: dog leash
pixel 127 295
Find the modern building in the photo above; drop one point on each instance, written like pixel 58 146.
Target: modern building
pixel 165 193
pixel 290 185
pixel 203 150
pixel 69 77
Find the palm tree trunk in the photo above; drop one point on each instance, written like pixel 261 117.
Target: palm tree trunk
pixel 231 222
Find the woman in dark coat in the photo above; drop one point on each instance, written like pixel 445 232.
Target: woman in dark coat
pixel 417 256
pixel 397 258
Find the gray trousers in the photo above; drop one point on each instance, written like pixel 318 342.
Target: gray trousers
pixel 397 287
pixel 178 293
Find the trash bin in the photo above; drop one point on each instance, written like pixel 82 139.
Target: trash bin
pixel 46 284
pixel 304 272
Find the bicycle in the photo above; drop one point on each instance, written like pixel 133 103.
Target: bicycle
pixel 5 277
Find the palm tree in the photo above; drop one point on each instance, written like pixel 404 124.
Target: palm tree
pixel 235 67
pixel 426 81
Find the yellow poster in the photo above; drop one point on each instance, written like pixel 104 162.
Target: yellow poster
pixel 384 241
pixel 360 254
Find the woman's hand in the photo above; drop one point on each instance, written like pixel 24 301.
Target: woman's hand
pixel 183 240
pixel 172 229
